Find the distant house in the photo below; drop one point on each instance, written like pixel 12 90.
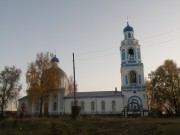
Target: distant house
pixel 131 99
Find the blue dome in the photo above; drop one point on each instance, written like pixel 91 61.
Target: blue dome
pixel 128 28
pixel 55 59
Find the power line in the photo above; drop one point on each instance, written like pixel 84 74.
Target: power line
pixel 96 51
pixel 161 34
pixel 159 43
pixel 113 47
pixel 97 57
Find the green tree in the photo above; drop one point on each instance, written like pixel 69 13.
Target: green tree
pixel 43 78
pixel 164 87
pixel 9 85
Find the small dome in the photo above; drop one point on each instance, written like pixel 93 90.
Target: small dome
pixel 55 59
pixel 128 28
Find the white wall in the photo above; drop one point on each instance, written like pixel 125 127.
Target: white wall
pixel 87 108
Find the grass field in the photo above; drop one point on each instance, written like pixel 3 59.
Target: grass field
pixel 91 126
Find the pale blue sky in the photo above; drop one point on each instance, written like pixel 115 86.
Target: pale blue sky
pixel 93 30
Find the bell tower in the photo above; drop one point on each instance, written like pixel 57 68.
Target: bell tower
pixel 132 72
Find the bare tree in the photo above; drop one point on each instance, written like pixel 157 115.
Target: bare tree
pixel 71 84
pixel 9 85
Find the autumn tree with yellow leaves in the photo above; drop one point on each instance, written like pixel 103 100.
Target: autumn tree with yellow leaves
pixel 43 79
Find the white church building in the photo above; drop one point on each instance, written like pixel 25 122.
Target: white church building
pixel 131 99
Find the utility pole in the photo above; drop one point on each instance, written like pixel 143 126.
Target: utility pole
pixel 74 81
pixel 75 107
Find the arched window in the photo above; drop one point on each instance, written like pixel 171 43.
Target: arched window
pixel 55 106
pixel 92 106
pixel 126 79
pixel 82 105
pixel 103 105
pixel 139 79
pixel 131 52
pixel 37 106
pixel 132 77
pixel 113 105
pixel 23 107
pixel 123 55
pixel 129 35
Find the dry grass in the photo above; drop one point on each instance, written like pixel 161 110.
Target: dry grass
pixel 91 126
